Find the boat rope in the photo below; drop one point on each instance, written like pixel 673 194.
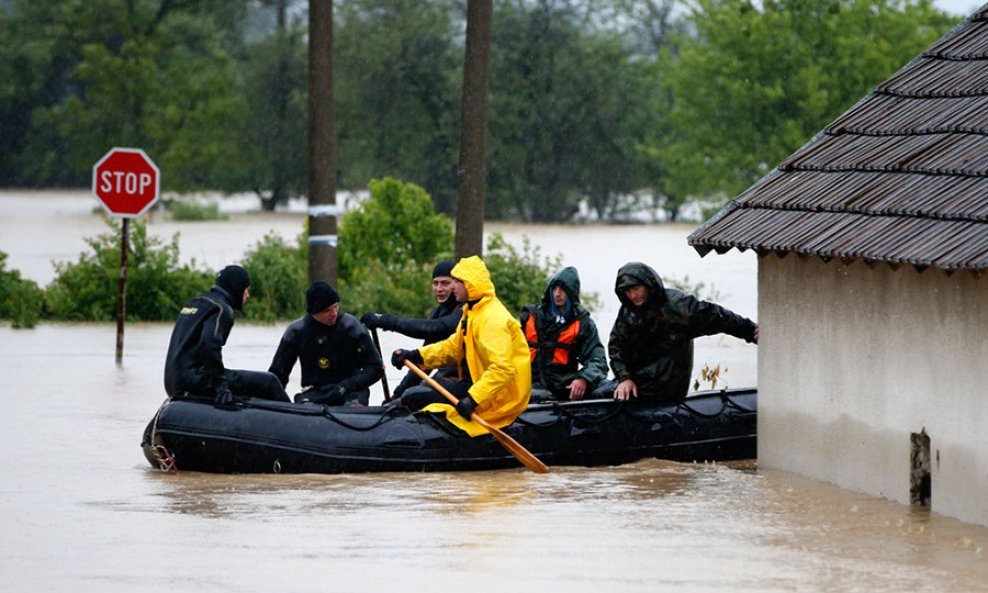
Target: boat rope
pixel 386 416
pixel 695 412
pixel 166 461
pixel 562 412
pixel 730 402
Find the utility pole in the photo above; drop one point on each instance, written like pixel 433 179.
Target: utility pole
pixel 471 172
pixel 322 145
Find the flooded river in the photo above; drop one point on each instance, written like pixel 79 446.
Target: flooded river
pixel 82 511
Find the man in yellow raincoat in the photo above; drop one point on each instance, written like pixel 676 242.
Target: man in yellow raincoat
pixel 497 379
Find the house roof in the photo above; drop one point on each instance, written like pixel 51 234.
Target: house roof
pixel 901 177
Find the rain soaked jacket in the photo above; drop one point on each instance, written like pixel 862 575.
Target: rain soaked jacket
pixel 194 363
pixel 490 342
pixel 653 344
pixel 563 351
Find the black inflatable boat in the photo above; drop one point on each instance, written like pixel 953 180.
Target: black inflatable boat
pixel 265 437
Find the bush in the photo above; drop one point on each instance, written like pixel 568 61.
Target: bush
pixel 189 210
pixel 157 286
pixel 279 277
pixel 21 300
pixel 387 248
pixel 396 225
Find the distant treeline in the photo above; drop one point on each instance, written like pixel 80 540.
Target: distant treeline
pixel 616 105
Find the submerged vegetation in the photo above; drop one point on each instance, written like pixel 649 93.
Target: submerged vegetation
pixel 388 246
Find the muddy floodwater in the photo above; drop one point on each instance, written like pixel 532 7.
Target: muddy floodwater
pixel 81 510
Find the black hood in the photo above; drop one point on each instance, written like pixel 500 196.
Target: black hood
pixel 234 280
pixel 642 274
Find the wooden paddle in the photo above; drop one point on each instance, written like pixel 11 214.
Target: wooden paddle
pixel 384 375
pixel 514 447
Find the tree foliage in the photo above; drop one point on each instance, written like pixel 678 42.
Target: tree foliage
pixel 753 84
pixel 604 105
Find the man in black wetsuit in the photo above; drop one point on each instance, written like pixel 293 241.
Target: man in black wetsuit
pixel 339 361
pixel 438 326
pixel 194 363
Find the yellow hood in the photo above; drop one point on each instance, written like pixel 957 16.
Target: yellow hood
pixel 472 272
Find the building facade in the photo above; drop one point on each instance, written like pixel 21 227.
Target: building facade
pixel 873 291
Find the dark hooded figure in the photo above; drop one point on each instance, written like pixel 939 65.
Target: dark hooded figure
pixel 338 358
pixel 194 363
pixel 568 360
pixel 651 343
pixel 439 325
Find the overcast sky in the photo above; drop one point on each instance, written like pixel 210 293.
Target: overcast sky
pixel 958 7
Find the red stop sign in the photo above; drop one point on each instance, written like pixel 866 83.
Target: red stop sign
pixel 126 182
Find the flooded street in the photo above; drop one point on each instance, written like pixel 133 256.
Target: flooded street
pixel 81 510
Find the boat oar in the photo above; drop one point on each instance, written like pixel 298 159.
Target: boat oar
pixel 384 375
pixel 514 447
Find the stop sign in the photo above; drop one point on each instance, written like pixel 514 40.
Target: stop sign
pixel 126 181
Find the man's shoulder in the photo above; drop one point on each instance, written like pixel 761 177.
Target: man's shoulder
pixel 350 325
pixel 296 326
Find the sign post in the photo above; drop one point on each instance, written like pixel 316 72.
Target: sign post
pixel 126 182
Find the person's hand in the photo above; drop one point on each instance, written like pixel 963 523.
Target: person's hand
pixel 371 320
pixel 225 397
pixel 626 390
pixel 325 393
pixel 400 356
pixel 578 388
pixel 466 406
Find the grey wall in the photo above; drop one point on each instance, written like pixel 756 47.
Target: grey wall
pixel 853 359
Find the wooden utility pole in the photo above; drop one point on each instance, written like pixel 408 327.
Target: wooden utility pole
pixel 322 145
pixel 471 172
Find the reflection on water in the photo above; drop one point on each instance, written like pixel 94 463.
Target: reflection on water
pixel 82 510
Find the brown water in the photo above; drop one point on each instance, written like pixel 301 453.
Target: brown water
pixel 80 509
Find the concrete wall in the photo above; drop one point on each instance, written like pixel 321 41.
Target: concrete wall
pixel 853 359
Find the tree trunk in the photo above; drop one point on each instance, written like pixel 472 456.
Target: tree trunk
pixel 322 145
pixel 473 130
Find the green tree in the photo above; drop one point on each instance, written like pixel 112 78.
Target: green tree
pixel 569 108
pixel 81 77
pixel 754 83
pixel 397 69
pixel 273 157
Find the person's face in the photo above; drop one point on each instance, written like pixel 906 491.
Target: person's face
pixel 559 297
pixel 459 291
pixel 637 294
pixel 328 315
pixel 442 286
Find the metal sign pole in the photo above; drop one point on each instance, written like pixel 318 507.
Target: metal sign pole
pixel 122 290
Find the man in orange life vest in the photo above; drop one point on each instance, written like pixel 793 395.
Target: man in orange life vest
pixel 568 360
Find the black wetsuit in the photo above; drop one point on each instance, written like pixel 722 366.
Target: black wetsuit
pixel 339 361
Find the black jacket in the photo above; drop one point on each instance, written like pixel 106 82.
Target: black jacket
pixel 339 354
pixel 440 324
pixel 194 363
pixel 653 344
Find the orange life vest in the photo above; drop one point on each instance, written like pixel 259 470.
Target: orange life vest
pixel 560 348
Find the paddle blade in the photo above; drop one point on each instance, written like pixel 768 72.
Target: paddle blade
pixel 521 453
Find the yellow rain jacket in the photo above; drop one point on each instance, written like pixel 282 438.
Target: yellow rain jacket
pixel 495 351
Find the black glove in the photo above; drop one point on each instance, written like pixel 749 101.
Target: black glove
pixel 400 356
pixel 371 320
pixel 466 406
pixel 225 397
pixel 326 393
